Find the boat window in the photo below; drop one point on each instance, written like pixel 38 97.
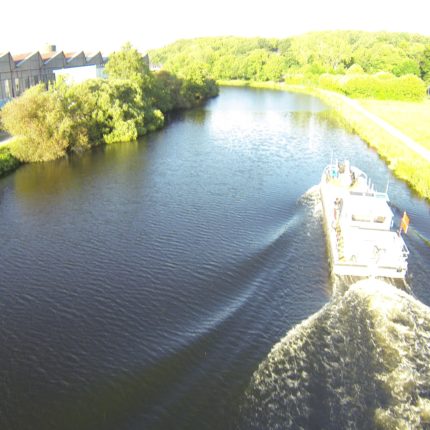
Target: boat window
pixel 363 218
pixel 360 218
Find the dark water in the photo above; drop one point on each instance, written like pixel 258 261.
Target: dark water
pixel 143 284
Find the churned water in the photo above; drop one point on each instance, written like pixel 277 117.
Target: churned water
pixel 182 282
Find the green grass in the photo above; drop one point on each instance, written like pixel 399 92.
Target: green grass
pixel 413 119
pixel 405 164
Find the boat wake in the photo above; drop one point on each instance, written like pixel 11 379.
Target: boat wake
pixel 312 199
pixel 363 361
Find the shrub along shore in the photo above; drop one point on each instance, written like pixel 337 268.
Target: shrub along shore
pixel 8 163
pixel 49 123
pixel 405 163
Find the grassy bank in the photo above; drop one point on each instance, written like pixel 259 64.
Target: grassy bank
pixel 264 85
pixel 410 118
pixel 405 164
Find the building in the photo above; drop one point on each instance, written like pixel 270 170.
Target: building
pixel 75 75
pixel 20 72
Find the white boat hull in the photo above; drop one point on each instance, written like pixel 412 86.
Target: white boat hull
pixel 357 248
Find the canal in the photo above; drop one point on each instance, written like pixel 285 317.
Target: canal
pixel 142 284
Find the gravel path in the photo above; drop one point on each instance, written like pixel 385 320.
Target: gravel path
pixel 410 143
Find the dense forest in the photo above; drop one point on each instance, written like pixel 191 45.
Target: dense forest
pixel 307 58
pixel 51 122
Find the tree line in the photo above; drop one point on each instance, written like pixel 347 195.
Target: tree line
pixel 51 122
pixel 305 58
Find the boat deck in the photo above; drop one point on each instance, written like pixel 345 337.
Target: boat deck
pixel 358 225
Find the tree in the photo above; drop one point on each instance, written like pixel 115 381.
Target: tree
pixel 355 69
pixel 425 65
pixel 254 63
pixel 119 113
pixel 274 68
pixel 127 63
pixel 45 127
pixel 380 56
pixel 49 123
pixel 407 67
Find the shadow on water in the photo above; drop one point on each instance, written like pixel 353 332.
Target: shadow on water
pixel 39 181
pixel 133 399
pixel 197 116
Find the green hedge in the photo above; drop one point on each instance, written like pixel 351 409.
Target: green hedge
pixel 380 86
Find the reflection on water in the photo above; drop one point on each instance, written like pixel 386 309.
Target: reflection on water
pixel 54 180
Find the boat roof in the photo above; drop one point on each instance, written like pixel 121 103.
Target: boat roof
pixel 369 203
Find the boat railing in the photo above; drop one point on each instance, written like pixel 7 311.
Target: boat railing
pixel 368 193
pixel 405 251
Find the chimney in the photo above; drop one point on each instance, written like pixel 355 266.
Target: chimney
pixel 48 48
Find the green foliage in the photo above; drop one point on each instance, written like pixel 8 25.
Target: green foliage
pixel 127 64
pixel 47 129
pixel 257 59
pixel 407 67
pixel 330 82
pixel 49 123
pixel 117 109
pixel 355 69
pixel 327 51
pixel 380 86
pixel 274 68
pixel 296 79
pixel 168 87
pixel 424 65
pixel 7 161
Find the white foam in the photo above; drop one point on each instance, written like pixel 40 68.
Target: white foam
pixel 362 361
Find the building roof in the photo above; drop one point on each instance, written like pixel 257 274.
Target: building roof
pixel 20 57
pixel 90 55
pixel 49 58
pixel 52 56
pixel 70 55
pixel 48 55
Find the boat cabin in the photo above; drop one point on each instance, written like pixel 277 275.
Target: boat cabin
pixel 369 211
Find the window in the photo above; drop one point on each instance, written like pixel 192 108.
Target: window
pixel 36 79
pixel 17 86
pixel 27 83
pixel 7 93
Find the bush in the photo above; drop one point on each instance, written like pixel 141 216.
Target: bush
pixel 7 161
pixel 46 128
pixel 355 69
pixel 330 82
pixel 381 86
pixel 50 123
pixel 410 87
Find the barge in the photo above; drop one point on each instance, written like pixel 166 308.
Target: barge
pixel 359 225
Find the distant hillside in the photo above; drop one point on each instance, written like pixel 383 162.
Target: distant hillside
pixel 312 54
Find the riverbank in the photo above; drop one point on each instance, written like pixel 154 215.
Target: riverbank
pixel 408 158
pixel 409 117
